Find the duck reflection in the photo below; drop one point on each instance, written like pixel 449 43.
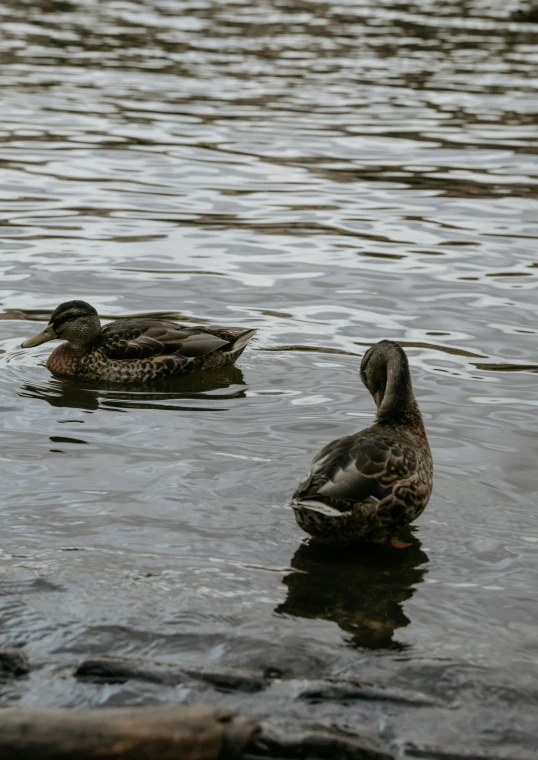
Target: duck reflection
pixel 361 588
pixel 216 385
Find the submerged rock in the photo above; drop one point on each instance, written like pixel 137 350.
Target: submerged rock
pixel 349 692
pixel 107 669
pixel 13 663
pixel 282 738
pixel 526 14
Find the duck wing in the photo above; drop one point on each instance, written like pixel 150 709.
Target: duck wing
pixel 358 468
pixel 146 338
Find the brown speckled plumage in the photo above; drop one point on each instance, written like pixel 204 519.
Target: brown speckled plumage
pixel 368 485
pixel 134 350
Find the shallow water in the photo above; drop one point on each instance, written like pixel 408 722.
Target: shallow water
pixel 332 174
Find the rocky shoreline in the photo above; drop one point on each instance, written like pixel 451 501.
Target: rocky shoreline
pixel 442 710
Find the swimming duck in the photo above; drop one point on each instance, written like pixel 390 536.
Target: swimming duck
pixel 366 486
pixel 133 350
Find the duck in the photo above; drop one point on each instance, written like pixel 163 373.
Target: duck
pixel 367 486
pixel 133 350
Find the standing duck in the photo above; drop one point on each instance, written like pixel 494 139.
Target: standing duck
pixel 134 350
pixel 366 486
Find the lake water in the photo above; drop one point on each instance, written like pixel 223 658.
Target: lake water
pixel 332 173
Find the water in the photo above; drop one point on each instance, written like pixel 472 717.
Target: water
pixel 332 173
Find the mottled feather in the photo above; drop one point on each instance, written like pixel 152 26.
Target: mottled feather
pixel 140 339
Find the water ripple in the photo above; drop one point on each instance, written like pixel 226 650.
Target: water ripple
pixel 332 174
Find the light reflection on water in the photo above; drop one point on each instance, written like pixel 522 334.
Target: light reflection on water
pixel 331 174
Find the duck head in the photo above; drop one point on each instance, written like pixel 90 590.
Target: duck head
pixel 74 321
pixel 385 372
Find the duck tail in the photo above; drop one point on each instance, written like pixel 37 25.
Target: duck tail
pixel 311 504
pixel 237 346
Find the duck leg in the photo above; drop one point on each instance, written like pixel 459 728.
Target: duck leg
pixel 395 543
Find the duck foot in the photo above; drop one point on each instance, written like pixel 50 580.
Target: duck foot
pixel 396 543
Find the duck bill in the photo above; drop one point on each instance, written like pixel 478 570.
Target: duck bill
pixel 378 398
pixel 42 337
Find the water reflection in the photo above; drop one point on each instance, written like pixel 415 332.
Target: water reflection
pixel 221 384
pixel 360 588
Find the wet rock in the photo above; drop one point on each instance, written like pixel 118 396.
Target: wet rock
pixel 453 753
pixel 349 692
pixel 290 657
pixel 529 15
pixel 232 680
pixel 13 663
pixel 449 682
pixel 120 669
pixel 281 738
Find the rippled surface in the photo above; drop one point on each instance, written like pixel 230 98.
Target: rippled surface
pixel 333 174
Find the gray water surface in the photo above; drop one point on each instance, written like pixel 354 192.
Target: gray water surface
pixel 332 173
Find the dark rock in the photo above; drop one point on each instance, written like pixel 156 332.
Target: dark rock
pixel 431 753
pixel 13 663
pixel 293 739
pixel 529 15
pixel 120 669
pixel 232 680
pixel 348 692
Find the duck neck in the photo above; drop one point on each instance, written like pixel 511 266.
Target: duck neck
pixel 81 346
pixel 398 403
